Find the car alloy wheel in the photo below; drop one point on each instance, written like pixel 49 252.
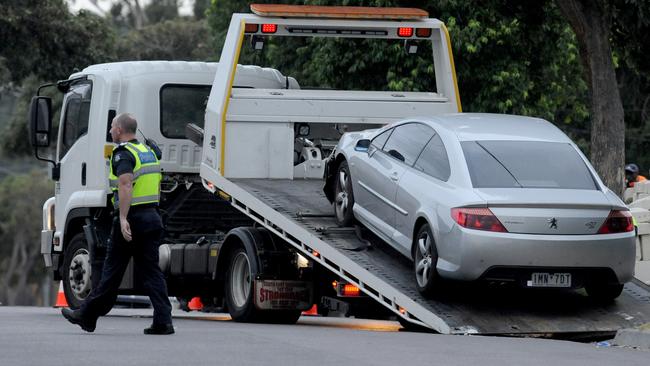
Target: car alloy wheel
pixel 425 261
pixel 344 197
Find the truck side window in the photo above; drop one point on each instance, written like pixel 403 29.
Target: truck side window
pixel 76 114
pixel 180 105
pixel 407 142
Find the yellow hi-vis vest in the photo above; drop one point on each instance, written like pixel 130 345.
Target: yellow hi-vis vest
pixel 146 175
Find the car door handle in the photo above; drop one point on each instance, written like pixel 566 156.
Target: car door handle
pixel 394 176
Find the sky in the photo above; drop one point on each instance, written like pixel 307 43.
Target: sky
pixel 101 7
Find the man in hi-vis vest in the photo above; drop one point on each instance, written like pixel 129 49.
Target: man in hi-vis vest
pixel 135 181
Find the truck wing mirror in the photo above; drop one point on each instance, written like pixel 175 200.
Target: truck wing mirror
pixel 194 133
pixel 362 145
pixel 40 121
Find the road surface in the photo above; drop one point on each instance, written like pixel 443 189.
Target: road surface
pixel 41 336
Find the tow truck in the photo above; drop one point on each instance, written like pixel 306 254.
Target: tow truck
pixel 247 222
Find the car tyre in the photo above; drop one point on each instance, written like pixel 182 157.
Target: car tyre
pixel 604 292
pixel 76 271
pixel 343 196
pixel 425 260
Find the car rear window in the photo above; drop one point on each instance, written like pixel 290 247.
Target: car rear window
pixel 526 164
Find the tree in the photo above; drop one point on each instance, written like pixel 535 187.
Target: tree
pixel 43 38
pixel 591 21
pixel 200 7
pixel 179 39
pixel 161 10
pixel 22 197
pixel 631 19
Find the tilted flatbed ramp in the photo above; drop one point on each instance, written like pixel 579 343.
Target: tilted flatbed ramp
pixel 299 212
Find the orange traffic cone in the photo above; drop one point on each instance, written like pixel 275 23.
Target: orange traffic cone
pixel 312 311
pixel 195 304
pixel 60 298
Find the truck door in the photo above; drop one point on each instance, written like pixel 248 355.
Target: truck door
pixel 72 147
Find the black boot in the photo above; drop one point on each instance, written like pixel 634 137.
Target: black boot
pixel 159 329
pixel 75 317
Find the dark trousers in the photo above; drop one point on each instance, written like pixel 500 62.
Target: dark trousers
pixel 144 250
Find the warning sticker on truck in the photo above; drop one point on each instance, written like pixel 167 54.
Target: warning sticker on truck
pixel 281 295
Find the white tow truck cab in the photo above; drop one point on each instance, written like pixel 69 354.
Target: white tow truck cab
pixel 165 97
pixel 248 226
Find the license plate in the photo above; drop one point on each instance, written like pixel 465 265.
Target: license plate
pixel 550 280
pixel 282 295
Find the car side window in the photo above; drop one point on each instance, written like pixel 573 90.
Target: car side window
pixel 434 160
pixel 75 114
pixel 379 140
pixel 407 142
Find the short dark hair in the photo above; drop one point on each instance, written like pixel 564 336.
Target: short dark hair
pixel 127 122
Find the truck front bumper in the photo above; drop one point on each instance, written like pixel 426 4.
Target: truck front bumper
pixel 46 246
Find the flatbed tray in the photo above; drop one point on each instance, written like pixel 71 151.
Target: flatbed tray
pixel 474 308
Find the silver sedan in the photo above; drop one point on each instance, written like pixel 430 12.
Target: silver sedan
pixel 485 197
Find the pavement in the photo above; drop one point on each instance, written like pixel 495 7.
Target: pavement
pixel 39 336
pixel 635 338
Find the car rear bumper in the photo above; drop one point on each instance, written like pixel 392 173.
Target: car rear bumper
pixel 470 254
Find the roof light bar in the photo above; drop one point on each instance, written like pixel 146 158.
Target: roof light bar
pixel 337 31
pixel 346 12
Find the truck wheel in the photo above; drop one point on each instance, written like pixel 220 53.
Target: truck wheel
pixel 239 287
pixel 425 261
pixel 343 196
pixel 76 271
pixel 604 292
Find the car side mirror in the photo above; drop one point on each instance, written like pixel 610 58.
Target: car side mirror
pixel 362 145
pixel 396 155
pixel 40 121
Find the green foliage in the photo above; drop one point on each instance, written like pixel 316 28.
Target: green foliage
pixel 21 199
pixel 179 39
pixel 630 48
pixel 519 58
pixel 161 10
pixel 14 141
pixel 43 38
pixel 200 7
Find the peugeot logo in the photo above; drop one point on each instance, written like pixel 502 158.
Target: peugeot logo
pixel 552 223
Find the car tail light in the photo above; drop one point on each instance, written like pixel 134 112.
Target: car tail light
pixel 477 218
pixel 617 222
